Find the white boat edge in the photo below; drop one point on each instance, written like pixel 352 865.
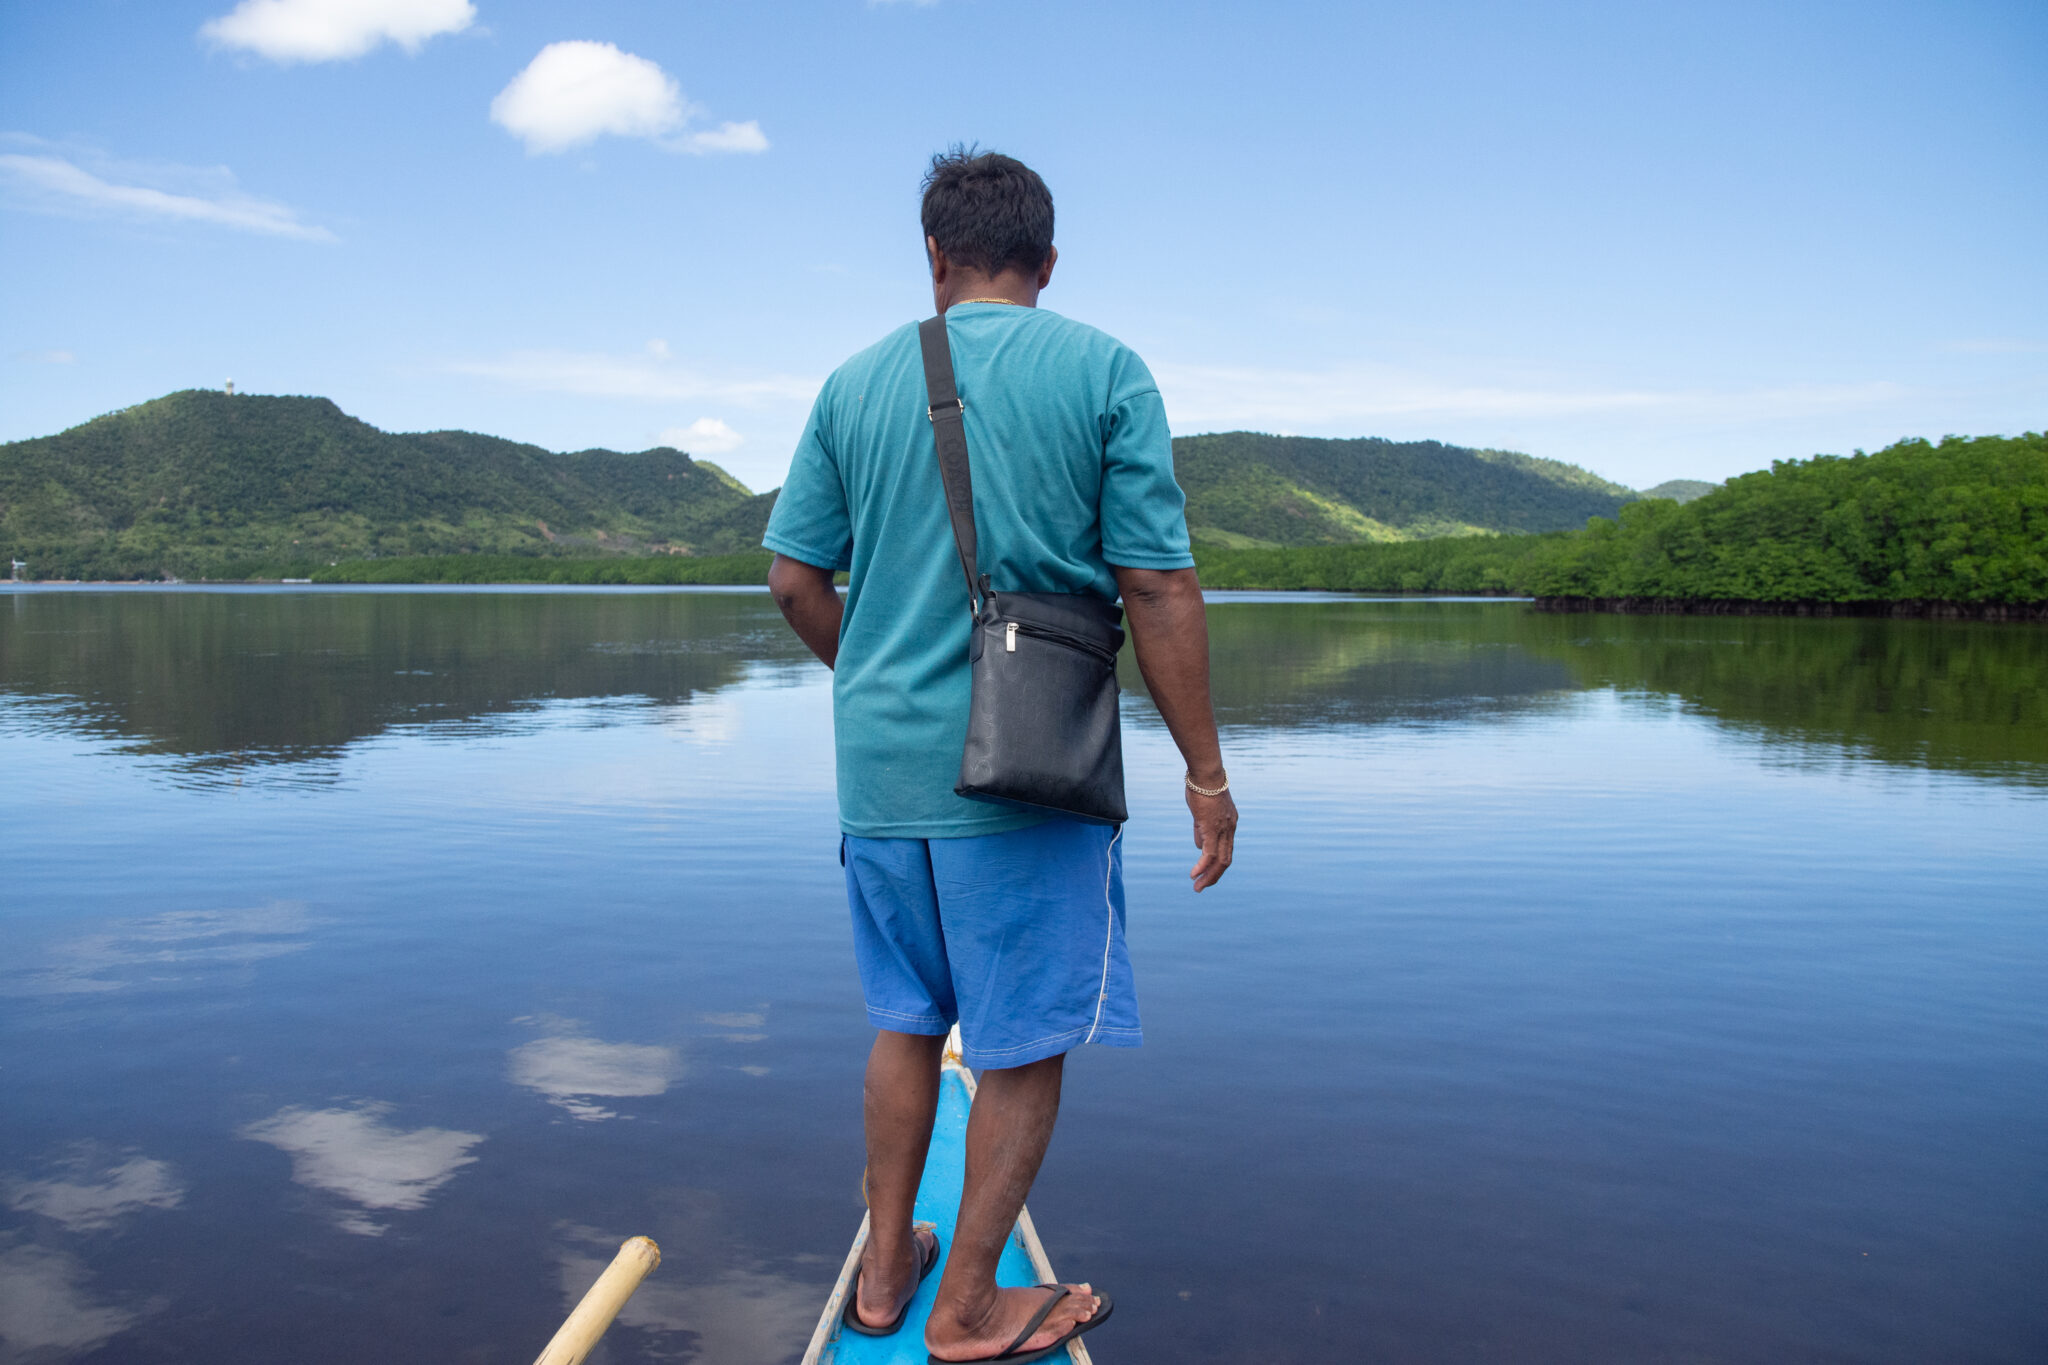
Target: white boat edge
pixel 835 1304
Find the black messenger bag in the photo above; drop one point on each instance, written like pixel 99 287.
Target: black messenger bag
pixel 1042 728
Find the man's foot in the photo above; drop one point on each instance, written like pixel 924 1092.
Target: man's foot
pixel 882 1292
pixel 993 1332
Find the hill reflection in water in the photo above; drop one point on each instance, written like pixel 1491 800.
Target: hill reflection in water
pixel 233 682
pixel 228 683
pixel 1965 697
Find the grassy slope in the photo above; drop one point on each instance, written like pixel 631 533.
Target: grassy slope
pixel 1246 489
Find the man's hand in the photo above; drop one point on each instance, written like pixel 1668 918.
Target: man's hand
pixel 809 603
pixel 1215 832
pixel 1170 635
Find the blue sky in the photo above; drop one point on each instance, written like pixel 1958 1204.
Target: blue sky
pixel 1660 240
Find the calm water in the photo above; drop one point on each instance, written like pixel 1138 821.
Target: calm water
pixel 1589 989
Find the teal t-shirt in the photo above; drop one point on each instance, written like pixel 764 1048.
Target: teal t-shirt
pixel 1073 472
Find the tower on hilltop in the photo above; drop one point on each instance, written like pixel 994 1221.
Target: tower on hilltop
pixel 231 388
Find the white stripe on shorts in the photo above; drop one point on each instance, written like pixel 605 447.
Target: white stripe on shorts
pixel 1108 934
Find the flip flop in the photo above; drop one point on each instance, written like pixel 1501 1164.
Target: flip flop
pixel 1013 1355
pixel 851 1317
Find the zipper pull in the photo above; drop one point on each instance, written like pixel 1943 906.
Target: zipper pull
pixel 1010 637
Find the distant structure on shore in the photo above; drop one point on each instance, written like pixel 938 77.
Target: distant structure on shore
pixel 19 565
pixel 231 388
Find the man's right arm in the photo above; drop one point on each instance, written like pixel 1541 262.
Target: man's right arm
pixel 809 603
pixel 1170 635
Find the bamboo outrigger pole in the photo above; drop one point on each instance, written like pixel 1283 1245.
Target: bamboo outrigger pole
pixel 586 1323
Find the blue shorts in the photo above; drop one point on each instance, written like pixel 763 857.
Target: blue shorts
pixel 1018 937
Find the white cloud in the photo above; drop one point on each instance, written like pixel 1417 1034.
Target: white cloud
pixel 650 376
pixel 334 30
pixel 353 1153
pixel 728 137
pixel 93 1190
pixel 705 436
pixel 54 182
pixel 1214 397
pixel 47 357
pixel 568 1070
pixel 575 92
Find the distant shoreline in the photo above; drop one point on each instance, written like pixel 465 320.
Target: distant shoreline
pixel 1712 606
pixel 2000 612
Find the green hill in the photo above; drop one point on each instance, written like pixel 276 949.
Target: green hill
pixel 1247 490
pixel 1681 490
pixel 204 484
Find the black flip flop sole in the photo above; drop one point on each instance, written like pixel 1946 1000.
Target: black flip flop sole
pixel 1026 1357
pixel 850 1316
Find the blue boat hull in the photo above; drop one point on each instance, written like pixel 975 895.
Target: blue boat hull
pixel 938 1203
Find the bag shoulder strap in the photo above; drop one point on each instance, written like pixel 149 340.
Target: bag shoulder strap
pixel 949 436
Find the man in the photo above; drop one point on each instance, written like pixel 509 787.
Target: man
pixel 1001 919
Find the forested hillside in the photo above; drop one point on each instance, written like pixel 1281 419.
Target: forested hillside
pixel 201 483
pixel 1681 490
pixel 1962 521
pixel 205 484
pixel 1245 489
pixel 1965 521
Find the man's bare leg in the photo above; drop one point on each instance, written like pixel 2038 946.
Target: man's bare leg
pixel 901 1099
pixel 1007 1133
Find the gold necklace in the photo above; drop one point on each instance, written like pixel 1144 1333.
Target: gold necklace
pixel 1012 302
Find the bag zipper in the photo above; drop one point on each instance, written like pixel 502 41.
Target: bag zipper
pixel 1011 629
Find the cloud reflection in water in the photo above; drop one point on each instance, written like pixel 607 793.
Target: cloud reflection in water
pixel 93 1188
pixel 46 1310
pixel 570 1069
pixel 355 1154
pixel 737 1317
pixel 749 1025
pixel 163 949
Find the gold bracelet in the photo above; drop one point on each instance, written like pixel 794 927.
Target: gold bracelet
pixel 1189 780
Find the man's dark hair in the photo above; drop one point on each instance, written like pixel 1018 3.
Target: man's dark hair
pixel 988 212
